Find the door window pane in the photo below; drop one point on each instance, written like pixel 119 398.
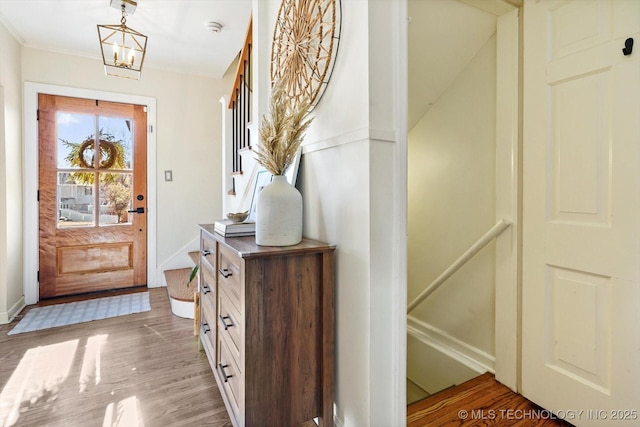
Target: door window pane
pixel 116 198
pixel 75 200
pixel 75 133
pixel 116 150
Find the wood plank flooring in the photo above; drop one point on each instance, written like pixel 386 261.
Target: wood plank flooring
pixel 146 369
pixel 482 401
pixel 143 369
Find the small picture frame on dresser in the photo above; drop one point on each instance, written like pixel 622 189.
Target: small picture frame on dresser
pixel 263 178
pixel 292 170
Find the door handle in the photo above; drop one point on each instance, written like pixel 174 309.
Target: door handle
pixel 139 210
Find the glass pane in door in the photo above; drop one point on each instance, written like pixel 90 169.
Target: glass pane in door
pixel 116 149
pixel 75 176
pixel 116 198
pixel 75 135
pixel 75 200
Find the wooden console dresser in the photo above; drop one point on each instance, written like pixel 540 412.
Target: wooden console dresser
pixel 267 327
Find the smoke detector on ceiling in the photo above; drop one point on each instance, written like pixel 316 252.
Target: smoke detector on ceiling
pixel 215 27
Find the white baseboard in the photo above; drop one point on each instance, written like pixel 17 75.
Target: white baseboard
pixel 8 316
pixel 463 353
pixel 178 260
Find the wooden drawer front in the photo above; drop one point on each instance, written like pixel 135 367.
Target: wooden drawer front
pixel 207 264
pixel 229 274
pixel 208 252
pixel 229 324
pixel 208 286
pixel 209 346
pixel 208 329
pixel 208 320
pixel 230 375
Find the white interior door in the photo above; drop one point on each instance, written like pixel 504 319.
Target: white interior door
pixel 581 210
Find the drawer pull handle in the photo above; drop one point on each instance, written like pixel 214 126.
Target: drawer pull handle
pixel 206 327
pixel 225 272
pixel 224 374
pixel 206 289
pixel 224 319
pixel 205 252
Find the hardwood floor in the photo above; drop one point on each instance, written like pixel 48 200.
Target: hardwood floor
pixel 146 369
pixel 481 401
pixel 414 392
pixel 143 369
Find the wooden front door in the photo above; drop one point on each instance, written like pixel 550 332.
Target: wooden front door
pixel 581 210
pixel 92 195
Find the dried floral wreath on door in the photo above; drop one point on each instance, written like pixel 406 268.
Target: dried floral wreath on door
pixel 83 154
pixel 108 154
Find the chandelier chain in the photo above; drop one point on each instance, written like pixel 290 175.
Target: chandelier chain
pixel 123 20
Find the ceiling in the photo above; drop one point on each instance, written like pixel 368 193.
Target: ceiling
pixel 444 36
pixel 179 39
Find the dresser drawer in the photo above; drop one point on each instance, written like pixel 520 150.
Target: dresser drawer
pixel 229 324
pixel 229 274
pixel 208 321
pixel 207 285
pixel 229 374
pixel 208 329
pixel 208 252
pixel 207 268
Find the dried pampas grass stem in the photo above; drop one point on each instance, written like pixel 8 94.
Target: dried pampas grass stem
pixel 282 133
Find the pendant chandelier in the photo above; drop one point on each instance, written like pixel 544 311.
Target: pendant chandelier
pixel 123 48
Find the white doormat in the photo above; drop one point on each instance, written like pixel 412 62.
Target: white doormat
pixel 82 311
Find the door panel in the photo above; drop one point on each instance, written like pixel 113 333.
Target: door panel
pixel 581 208
pixel 92 174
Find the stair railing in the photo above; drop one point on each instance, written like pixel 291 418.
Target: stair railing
pixel 494 232
pixel 240 104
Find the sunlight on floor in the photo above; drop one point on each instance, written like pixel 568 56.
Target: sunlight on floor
pixel 40 373
pixel 91 361
pixel 124 413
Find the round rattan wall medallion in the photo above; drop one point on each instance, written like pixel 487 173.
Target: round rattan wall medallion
pixel 305 44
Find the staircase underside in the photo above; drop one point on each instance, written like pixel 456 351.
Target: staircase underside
pixel 480 401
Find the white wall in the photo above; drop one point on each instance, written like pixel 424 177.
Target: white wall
pixel 451 204
pixel 351 200
pixel 188 136
pixel 10 176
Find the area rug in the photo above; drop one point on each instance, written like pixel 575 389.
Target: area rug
pixel 82 311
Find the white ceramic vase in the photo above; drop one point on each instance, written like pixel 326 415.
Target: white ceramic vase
pixel 279 214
